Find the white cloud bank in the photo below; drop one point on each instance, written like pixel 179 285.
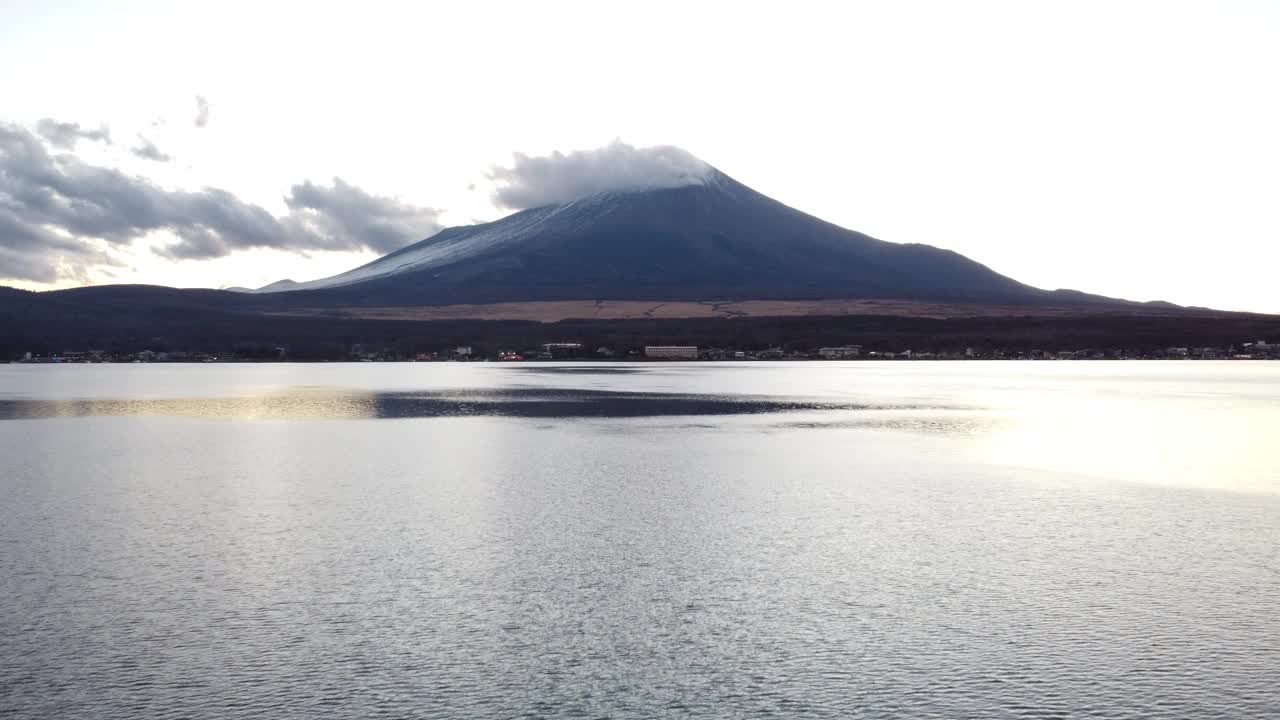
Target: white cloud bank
pixel 617 167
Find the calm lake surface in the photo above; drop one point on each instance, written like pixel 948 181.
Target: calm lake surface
pixel 879 540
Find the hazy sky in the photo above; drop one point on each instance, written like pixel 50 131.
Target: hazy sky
pixel 1124 148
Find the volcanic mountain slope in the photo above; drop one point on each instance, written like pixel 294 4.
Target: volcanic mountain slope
pixel 716 239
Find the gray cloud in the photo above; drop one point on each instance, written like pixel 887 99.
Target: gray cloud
pixel 35 253
pixel 65 135
pixel 147 150
pixel 54 207
pixel 617 167
pixel 202 111
pixel 344 211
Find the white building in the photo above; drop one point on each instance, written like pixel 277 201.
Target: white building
pixel 840 353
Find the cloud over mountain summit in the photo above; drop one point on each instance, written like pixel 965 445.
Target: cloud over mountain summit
pixel 617 167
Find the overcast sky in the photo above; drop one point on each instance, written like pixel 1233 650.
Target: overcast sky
pixel 1123 148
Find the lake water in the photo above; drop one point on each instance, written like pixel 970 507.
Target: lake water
pixel 878 540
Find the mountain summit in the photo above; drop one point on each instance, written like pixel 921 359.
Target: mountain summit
pixel 711 238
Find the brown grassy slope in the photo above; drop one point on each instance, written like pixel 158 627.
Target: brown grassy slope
pixel 557 310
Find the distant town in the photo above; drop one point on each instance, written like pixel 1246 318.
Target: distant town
pixel 359 352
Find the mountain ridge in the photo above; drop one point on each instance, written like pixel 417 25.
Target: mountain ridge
pixel 713 240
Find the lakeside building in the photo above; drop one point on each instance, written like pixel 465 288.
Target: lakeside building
pixel 843 352
pixel 671 352
pixel 562 350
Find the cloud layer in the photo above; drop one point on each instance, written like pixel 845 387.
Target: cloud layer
pixel 57 213
pixel 617 167
pixel 65 135
pixel 202 111
pixel 335 215
pixel 147 150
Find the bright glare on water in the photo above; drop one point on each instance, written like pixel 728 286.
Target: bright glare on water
pixel 879 540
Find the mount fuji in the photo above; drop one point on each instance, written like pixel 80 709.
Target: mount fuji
pixel 710 238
